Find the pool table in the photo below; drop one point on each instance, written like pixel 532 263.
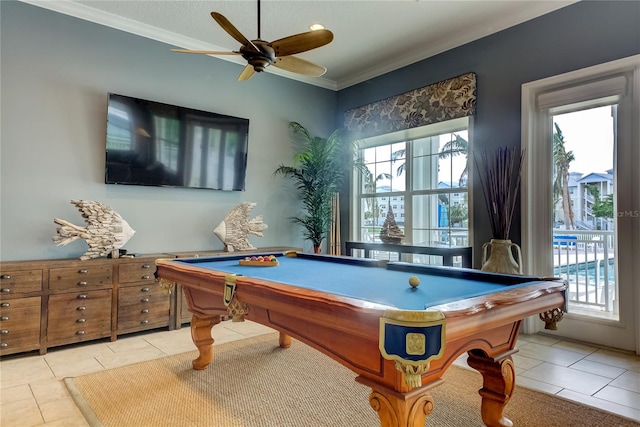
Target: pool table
pixel 399 339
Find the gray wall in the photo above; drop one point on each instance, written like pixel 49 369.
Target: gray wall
pixel 56 72
pixel 578 36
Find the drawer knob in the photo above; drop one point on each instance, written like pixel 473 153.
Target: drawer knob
pixel 80 332
pixel 4 318
pixel 145 299
pixel 83 296
pixel 5 290
pixel 4 331
pixel 5 276
pixel 4 345
pixel 144 322
pixel 82 283
pixel 81 308
pixel 146 266
pixel 146 310
pixel 81 320
pixel 83 271
pixel 145 290
pixel 5 304
pixel 146 277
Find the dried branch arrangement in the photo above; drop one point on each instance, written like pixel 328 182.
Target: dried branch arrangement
pixel 500 174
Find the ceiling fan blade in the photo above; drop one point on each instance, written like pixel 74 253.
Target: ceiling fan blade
pixel 301 42
pixel 232 31
pixel 205 52
pixel 247 73
pixel 300 66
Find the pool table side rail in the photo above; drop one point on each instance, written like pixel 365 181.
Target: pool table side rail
pixel 201 278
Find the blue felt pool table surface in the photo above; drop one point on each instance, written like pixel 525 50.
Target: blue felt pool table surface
pixel 387 286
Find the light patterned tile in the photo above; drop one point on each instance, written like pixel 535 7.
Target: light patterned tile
pixel 75 367
pixel 20 414
pixel 115 360
pixel 539 339
pixel 60 409
pixel 74 421
pixel 66 354
pixel 522 381
pixel 620 396
pixel 172 342
pixel 630 380
pixel 598 368
pixel 128 344
pixel 525 363
pixel 575 347
pixel 571 379
pixel 616 358
pixel 51 390
pixel 550 354
pixel 15 394
pixel 16 372
pixel 605 405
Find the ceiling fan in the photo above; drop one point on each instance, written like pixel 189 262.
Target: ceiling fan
pixel 260 54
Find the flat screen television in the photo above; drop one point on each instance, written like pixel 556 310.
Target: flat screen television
pixel 151 143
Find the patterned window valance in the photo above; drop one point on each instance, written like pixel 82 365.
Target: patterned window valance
pixel 445 100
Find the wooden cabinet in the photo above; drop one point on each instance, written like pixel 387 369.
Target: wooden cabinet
pixel 19 324
pixel 20 309
pixel 78 316
pixel 142 304
pixel 142 307
pixel 49 303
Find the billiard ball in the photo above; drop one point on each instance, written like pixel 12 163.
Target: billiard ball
pixel 414 281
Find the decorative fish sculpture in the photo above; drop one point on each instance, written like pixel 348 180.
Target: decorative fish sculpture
pixel 106 231
pixel 234 230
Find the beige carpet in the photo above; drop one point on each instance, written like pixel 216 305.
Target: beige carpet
pixel 254 383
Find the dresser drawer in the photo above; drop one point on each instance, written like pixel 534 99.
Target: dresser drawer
pixel 132 272
pixel 20 282
pixel 19 325
pixel 79 316
pixel 142 307
pixel 80 278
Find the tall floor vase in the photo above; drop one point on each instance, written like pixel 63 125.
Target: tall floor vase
pixel 501 256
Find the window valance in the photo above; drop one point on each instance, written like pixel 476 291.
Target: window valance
pixel 445 100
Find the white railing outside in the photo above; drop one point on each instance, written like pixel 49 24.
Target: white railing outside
pixel 586 259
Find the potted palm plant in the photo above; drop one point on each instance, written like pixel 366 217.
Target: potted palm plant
pixel 321 166
pixel 500 174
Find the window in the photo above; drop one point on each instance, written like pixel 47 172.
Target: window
pixel 425 170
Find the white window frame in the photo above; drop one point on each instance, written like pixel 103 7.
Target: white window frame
pixel 449 126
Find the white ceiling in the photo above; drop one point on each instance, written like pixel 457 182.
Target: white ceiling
pixel 371 37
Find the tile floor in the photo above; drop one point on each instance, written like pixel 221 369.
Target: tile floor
pixel 32 393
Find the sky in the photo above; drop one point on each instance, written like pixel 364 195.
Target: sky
pixel 589 134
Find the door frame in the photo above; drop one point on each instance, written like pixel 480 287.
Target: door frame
pixel 536 129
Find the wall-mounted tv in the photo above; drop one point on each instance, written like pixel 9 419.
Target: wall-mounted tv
pixel 151 143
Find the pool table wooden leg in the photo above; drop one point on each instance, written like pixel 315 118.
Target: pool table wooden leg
pixel 396 409
pixel 284 340
pixel 201 336
pixel 498 376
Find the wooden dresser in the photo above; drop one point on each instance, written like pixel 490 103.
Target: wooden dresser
pixel 49 303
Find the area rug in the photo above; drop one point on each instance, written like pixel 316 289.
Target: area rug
pixel 255 383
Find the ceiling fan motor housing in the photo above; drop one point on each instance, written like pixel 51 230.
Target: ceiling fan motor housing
pixel 259 60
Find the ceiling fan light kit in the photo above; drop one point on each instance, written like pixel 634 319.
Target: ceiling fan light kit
pixel 260 54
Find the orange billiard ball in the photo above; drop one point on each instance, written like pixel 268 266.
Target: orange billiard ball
pixel 414 281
